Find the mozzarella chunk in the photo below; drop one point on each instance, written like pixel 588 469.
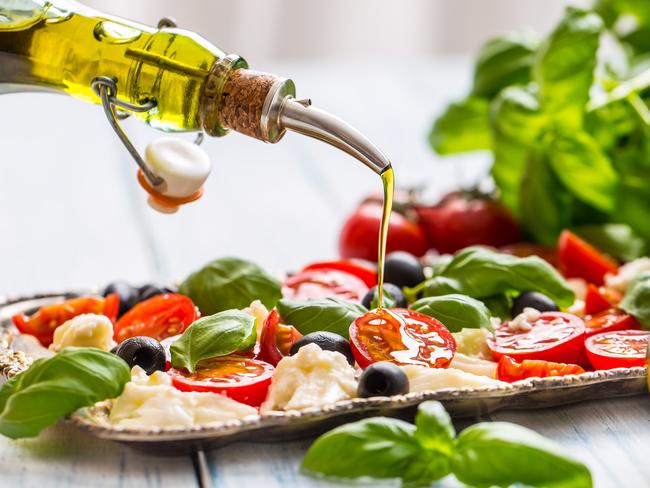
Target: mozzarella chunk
pixel 627 273
pixel 86 330
pixel 524 321
pixel 310 378
pixel 473 342
pixel 152 401
pixel 432 379
pixel 257 310
pixel 474 365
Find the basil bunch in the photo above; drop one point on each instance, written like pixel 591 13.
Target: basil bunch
pixel 55 387
pixel 485 454
pixel 568 130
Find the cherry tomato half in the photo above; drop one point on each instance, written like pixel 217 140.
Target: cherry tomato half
pixel 276 339
pixel 43 323
pixel 510 370
pixel 555 336
pixel 323 283
pixel 159 317
pixel 609 320
pixel 243 379
pixel 579 259
pixel 401 336
pixel 618 349
pixel 367 273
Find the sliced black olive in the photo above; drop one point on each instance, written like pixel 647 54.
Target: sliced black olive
pixel 142 351
pixel 403 269
pixel 395 293
pixel 150 290
pixel 535 300
pixel 382 379
pixel 327 341
pixel 129 295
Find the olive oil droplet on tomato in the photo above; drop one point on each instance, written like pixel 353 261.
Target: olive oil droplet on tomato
pixel 388 182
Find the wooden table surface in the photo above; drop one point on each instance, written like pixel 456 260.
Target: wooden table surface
pixel 73 216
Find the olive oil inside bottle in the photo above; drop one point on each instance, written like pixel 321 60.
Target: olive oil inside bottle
pixel 388 183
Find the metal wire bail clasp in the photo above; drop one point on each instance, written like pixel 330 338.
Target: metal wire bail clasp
pixel 106 89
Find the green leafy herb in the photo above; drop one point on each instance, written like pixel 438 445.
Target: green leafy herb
pixel 215 335
pixel 230 283
pixel 55 387
pixel 636 301
pixel 618 240
pixel 331 314
pixel 388 299
pixel 455 311
pixel 463 127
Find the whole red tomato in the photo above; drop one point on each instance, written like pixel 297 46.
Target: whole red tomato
pixel 360 234
pixel 464 219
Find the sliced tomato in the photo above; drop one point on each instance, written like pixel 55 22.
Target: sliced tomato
pixel 43 323
pixel 323 283
pixel 609 320
pixel 595 301
pixel 555 336
pixel 159 317
pixel 243 379
pixel 579 259
pixel 276 339
pixel 510 370
pixel 401 336
pixel 366 272
pixel 618 349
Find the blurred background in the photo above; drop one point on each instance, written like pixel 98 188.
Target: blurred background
pixel 73 216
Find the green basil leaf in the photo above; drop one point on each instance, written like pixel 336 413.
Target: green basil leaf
pixel 230 283
pixel 565 64
pixel 462 127
pixel 435 431
pixel 215 335
pixel 618 240
pixel 455 311
pixel 504 61
pixel 388 299
pixel 378 447
pixel 55 387
pixel 582 167
pixel 331 314
pixel 480 272
pixel 636 301
pixel 501 454
pixel 499 305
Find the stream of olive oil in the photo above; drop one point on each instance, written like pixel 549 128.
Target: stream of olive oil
pixel 388 182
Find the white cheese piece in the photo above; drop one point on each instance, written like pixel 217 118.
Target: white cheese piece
pixel 257 310
pixel 474 365
pixel 432 379
pixel 183 165
pixel 473 342
pixel 152 401
pixel 627 273
pixel 579 287
pixel 524 321
pixel 86 330
pixel 310 378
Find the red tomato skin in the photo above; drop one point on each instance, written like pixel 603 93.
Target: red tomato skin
pixel 569 350
pixel 360 234
pixel 364 272
pixel 323 283
pixel 251 392
pixel 270 350
pixel 458 222
pixel 595 302
pixel 600 359
pixel 609 320
pixel 579 259
pixel 510 370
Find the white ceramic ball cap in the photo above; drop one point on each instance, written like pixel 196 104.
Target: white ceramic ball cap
pixel 182 164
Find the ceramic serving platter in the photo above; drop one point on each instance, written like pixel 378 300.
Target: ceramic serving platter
pixel 15 356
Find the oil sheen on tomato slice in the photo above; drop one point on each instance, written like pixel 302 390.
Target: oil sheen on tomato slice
pixel 322 283
pixel 609 320
pixel 618 349
pixel 555 336
pixel 243 379
pixel 401 336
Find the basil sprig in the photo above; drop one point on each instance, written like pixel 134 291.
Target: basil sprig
pixel 212 336
pixel 455 311
pixel 55 387
pixel 331 314
pixel 230 283
pixel 486 454
pixel 636 301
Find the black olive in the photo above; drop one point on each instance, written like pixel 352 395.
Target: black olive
pixel 403 269
pixel 327 341
pixel 382 379
pixel 150 290
pixel 142 351
pixel 395 293
pixel 535 300
pixel 129 295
